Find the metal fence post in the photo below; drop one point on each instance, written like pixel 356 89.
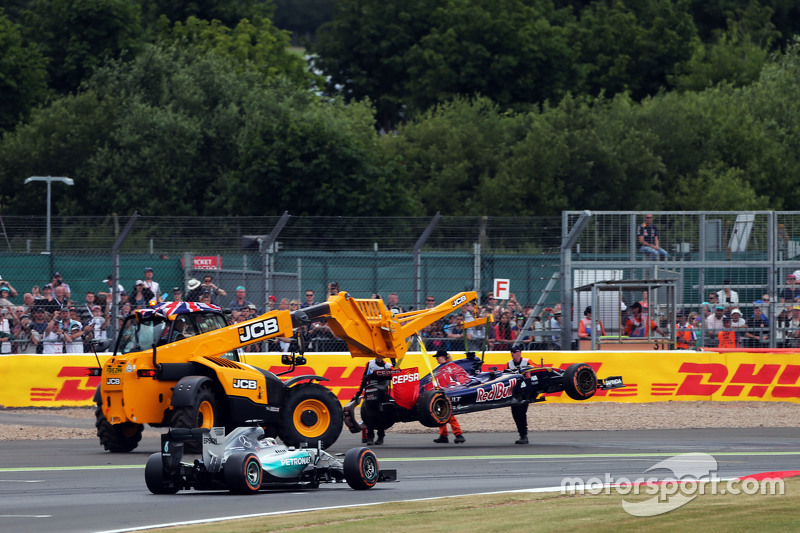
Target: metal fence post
pixel 772 279
pixel 568 240
pixel 476 267
pixel 112 327
pixel 267 248
pixel 417 262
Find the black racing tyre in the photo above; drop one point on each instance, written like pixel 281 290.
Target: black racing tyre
pixel 434 409
pixel 580 381
pixel 243 473
pixel 361 468
pixel 117 438
pixel 205 412
pixel 372 416
pixel 156 479
pixel 311 414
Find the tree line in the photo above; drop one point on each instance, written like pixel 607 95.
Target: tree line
pixel 490 107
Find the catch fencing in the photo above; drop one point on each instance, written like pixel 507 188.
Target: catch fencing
pixel 415 257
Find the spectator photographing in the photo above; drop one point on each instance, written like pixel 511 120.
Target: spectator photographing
pixel 151 284
pixel 727 296
pixel 210 287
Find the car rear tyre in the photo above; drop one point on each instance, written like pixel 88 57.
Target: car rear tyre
pixel 434 409
pixel 361 468
pixel 117 438
pixel 311 414
pixel 155 477
pixel 580 381
pixel 376 416
pixel 243 473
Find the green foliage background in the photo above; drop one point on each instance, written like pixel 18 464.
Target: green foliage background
pixel 465 107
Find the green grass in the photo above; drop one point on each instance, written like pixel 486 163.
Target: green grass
pixel 536 512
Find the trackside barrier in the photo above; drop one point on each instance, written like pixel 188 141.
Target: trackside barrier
pixel 60 380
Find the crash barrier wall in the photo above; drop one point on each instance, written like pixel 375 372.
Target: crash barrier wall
pixel 58 381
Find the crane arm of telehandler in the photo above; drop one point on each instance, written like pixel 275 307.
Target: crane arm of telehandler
pixel 366 325
pixel 369 328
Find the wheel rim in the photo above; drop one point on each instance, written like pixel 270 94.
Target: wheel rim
pixel 253 473
pixel 370 468
pixel 311 418
pixel 585 381
pixel 441 407
pixel 205 415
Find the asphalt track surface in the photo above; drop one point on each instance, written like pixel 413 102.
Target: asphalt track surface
pixel 74 486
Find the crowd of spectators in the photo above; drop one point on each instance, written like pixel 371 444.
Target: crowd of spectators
pixel 509 318
pixel 50 318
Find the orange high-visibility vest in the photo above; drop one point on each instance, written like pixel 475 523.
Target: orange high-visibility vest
pixel 727 339
pixel 684 336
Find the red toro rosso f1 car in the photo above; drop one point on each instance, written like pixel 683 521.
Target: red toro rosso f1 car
pixel 461 386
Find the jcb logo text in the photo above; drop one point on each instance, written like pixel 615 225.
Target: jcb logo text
pixel 459 300
pixel 258 330
pixel 245 384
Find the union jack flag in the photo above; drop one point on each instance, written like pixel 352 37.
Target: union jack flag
pixel 168 309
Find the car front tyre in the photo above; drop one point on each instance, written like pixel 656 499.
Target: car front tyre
pixel 361 468
pixel 580 381
pixel 243 473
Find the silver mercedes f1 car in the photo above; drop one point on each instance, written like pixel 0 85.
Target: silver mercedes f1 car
pixel 245 460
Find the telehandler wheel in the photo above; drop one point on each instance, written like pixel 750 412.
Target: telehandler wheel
pixel 205 412
pixel 311 414
pixel 117 438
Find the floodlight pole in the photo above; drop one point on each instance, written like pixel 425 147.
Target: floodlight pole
pixel 49 180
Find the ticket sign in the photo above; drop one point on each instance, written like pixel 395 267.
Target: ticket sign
pixel 209 262
pixel 502 289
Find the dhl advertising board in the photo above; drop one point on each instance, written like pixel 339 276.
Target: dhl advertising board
pixel 61 381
